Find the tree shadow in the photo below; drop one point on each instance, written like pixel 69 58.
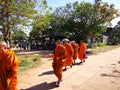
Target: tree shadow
pixel 109 75
pixel 115 73
pixel 90 53
pixel 42 86
pixel 119 62
pixel 113 64
pixel 47 73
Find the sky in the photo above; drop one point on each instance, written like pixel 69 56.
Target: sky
pixel 58 3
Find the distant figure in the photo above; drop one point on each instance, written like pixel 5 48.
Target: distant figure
pixel 82 51
pixel 20 45
pixel 8 68
pixel 69 53
pixel 75 49
pixel 58 57
pixel 24 45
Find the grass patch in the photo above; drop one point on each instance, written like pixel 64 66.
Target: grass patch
pixel 104 49
pixel 100 44
pixel 29 61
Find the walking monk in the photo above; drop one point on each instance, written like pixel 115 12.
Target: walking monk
pixel 82 51
pixel 75 49
pixel 69 53
pixel 58 57
pixel 8 68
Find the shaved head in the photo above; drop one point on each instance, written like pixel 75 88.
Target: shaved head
pixel 2 43
pixel 3 47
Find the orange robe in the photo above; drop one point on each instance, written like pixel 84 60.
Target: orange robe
pixel 75 49
pixel 8 71
pixel 82 51
pixel 69 54
pixel 58 62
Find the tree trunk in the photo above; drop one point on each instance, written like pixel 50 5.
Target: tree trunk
pixel 10 43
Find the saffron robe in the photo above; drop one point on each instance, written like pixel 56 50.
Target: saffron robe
pixel 58 61
pixel 8 71
pixel 69 54
pixel 75 50
pixel 82 51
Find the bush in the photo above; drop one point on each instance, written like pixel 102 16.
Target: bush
pixel 36 58
pixel 100 44
pixel 24 63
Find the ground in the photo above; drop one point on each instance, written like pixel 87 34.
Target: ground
pixel 99 72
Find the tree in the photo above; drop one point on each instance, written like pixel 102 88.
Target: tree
pixel 81 20
pixel 114 35
pixel 19 36
pixel 14 12
pixel 40 21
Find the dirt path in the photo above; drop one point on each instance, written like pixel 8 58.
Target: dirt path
pixel 99 72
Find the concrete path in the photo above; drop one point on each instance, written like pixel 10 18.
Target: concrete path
pixel 99 72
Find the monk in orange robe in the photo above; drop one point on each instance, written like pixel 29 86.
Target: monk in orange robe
pixel 58 61
pixel 75 49
pixel 69 54
pixel 8 68
pixel 82 51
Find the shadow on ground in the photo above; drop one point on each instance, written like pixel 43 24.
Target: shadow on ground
pixel 119 62
pixel 90 53
pixel 52 72
pixel 47 73
pixel 115 73
pixel 77 63
pixel 42 86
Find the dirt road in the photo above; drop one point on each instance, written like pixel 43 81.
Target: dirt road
pixel 99 72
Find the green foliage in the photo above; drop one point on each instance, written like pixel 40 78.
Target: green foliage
pixel 19 35
pixel 36 58
pixel 14 12
pixel 114 35
pixel 40 21
pixel 100 44
pixel 24 63
pixel 28 60
pixel 82 20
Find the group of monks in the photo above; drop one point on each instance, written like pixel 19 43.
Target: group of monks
pixel 8 68
pixel 65 55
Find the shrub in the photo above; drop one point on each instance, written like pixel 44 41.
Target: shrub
pixel 100 44
pixel 36 58
pixel 24 63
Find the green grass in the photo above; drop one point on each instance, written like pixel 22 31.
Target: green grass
pixel 104 49
pixel 29 61
pixel 100 44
